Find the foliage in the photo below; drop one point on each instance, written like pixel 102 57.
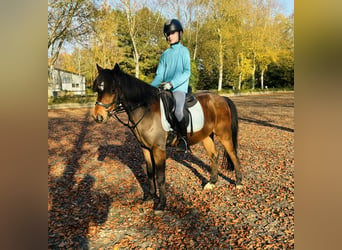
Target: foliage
pixel 281 74
pixel 194 76
pixel 68 21
pixel 239 43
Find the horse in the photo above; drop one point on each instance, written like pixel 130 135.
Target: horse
pixel 118 92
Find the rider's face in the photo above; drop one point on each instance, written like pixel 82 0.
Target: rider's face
pixel 173 37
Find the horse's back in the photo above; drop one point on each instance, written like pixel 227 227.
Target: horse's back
pixel 217 113
pixel 211 100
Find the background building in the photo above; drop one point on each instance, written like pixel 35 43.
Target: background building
pixel 63 82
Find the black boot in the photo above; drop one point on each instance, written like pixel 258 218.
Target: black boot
pixel 182 141
pixel 171 137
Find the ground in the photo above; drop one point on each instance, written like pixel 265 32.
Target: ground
pixel 96 180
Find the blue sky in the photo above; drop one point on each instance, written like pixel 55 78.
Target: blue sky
pixel 287 5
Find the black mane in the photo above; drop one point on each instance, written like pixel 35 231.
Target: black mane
pixel 135 90
pixel 131 89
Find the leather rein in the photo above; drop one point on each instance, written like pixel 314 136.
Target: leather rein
pixel 121 108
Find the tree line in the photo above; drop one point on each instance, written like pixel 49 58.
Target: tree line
pixel 239 44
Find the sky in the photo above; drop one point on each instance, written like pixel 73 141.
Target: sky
pixel 287 5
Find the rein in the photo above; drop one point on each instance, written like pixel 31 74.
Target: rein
pixel 120 108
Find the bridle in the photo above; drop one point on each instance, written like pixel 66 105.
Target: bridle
pixel 120 107
pixel 106 106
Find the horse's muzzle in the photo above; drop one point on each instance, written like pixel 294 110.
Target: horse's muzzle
pixel 99 118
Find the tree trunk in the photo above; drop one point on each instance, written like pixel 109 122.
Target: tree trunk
pixel 262 78
pixel 136 57
pixel 220 62
pixel 131 26
pixel 240 80
pixel 240 74
pixel 254 69
pixel 137 67
pixel 196 40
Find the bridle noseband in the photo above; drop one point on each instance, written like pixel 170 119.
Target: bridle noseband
pixel 106 106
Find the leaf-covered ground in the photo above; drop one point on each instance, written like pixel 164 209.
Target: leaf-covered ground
pixel 96 181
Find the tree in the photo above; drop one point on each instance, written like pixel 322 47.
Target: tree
pixel 225 22
pixel 264 37
pixel 107 45
pixel 67 62
pixel 281 72
pixel 143 27
pixel 150 40
pixel 67 21
pixel 231 42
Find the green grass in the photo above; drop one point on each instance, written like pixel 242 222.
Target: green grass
pixel 71 99
pixel 256 90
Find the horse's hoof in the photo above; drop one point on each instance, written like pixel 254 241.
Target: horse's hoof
pixel 239 186
pixel 209 186
pixel 158 212
pixel 159 208
pixel 147 197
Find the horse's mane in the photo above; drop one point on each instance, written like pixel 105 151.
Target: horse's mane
pixel 137 91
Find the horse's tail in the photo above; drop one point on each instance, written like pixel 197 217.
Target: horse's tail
pixel 235 129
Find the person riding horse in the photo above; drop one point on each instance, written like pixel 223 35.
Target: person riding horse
pixel 173 73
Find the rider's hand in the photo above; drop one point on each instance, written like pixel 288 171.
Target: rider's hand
pixel 166 85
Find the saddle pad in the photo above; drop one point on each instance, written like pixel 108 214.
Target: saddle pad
pixel 196 114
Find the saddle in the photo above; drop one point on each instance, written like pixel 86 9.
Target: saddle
pixel 169 107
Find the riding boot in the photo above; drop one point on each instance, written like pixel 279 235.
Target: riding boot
pixel 171 137
pixel 182 141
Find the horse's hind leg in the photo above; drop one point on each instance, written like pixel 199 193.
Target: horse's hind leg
pixel 229 147
pixel 210 147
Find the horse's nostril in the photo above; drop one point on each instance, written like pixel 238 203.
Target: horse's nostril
pixel 99 118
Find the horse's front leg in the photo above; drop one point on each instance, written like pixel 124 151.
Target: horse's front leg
pixel 159 157
pixel 150 169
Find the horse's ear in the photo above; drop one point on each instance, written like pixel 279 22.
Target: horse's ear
pixel 99 68
pixel 116 68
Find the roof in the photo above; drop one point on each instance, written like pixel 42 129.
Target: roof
pixel 67 71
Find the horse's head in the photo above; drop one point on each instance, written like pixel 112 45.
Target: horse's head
pixel 107 92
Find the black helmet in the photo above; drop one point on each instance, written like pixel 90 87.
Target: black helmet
pixel 172 25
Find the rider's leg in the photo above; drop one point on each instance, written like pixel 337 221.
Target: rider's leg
pixel 179 97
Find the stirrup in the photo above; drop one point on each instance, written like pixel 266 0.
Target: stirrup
pixel 181 149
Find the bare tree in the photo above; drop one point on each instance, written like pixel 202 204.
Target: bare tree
pixel 67 21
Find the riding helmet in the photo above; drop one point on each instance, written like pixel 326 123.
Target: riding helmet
pixel 172 25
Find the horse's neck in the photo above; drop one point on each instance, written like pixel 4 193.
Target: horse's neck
pixel 136 92
pixel 130 102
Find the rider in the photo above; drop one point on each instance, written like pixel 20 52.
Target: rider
pixel 173 74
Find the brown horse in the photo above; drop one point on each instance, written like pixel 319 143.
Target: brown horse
pixel 118 91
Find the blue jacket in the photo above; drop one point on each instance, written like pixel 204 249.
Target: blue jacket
pixel 174 67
